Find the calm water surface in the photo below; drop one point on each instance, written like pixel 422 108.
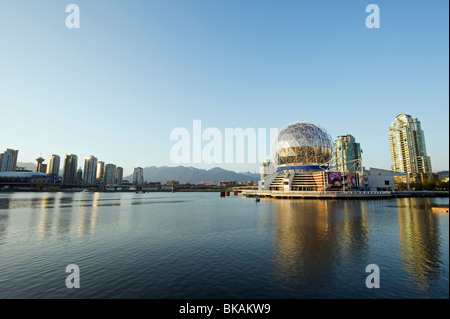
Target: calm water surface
pixel 198 245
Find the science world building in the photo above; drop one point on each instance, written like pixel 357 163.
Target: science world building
pixel 302 160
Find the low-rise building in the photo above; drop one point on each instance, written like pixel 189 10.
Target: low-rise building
pixel 24 178
pixel 376 179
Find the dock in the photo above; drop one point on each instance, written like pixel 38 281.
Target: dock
pixel 315 195
pixel 338 194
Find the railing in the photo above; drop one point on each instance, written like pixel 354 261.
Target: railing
pixel 320 192
pixel 341 194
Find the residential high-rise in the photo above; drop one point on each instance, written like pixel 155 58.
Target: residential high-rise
pixel 8 160
pixel 70 169
pixel 110 174
pixel 138 176
pixel 53 165
pixel 408 151
pixel 40 166
pixel 90 170
pixel 100 170
pixel 347 154
pixel 119 175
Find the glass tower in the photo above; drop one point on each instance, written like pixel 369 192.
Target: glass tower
pixel 90 170
pixel 53 165
pixel 408 150
pixel 110 174
pixel 138 176
pixel 8 160
pixel 119 175
pixel 70 169
pixel 347 154
pixel 100 170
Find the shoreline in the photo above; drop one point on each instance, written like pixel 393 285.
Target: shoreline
pixel 266 194
pixel 344 195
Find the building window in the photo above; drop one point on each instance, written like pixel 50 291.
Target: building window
pixel 386 182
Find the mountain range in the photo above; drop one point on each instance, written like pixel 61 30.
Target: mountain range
pixel 27 166
pixel 32 166
pixel 194 175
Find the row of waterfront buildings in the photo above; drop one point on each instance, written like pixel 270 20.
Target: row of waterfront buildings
pixel 407 148
pixel 306 158
pixel 95 172
pixel 303 149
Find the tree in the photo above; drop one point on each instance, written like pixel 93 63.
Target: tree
pixel 442 185
pixel 417 186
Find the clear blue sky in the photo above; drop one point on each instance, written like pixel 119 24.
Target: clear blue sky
pixel 135 70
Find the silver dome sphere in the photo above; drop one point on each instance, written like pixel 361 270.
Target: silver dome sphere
pixel 302 144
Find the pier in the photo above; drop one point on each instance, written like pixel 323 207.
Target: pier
pixel 339 194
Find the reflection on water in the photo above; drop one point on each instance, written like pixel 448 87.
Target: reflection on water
pixel 63 223
pixel 279 248
pixel 354 226
pixel 314 239
pixel 312 235
pixel 46 207
pixel 4 215
pixel 94 200
pixel 305 240
pixel 419 237
pixel 86 219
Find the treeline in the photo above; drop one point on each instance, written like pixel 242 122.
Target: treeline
pixel 428 185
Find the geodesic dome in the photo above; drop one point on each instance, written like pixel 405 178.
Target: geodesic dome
pixel 302 144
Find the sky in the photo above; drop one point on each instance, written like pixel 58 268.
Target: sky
pixel 136 70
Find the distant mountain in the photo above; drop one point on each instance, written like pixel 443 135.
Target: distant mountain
pixel 27 166
pixel 443 174
pixel 193 175
pixel 32 167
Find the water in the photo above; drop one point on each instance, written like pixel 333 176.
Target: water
pixel 198 245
